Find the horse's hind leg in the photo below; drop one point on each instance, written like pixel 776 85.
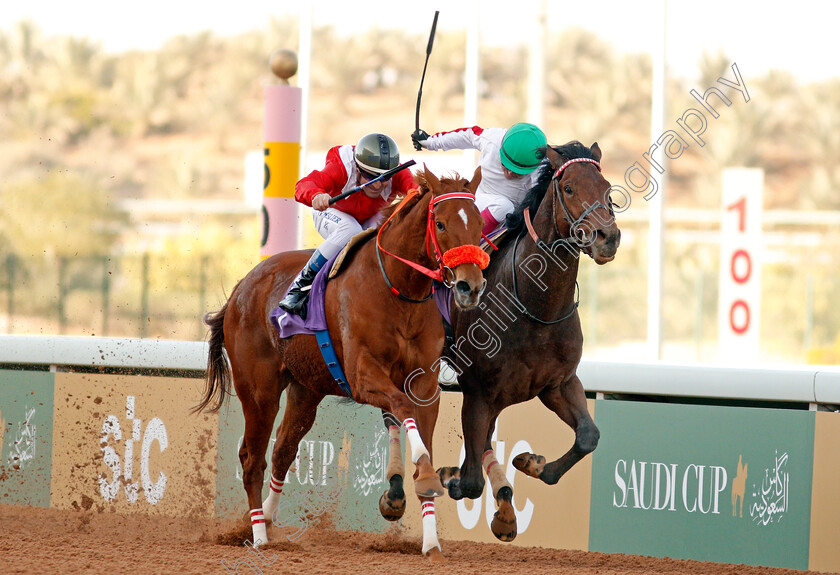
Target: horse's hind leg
pixel 392 502
pixel 568 401
pixel 298 417
pixel 259 419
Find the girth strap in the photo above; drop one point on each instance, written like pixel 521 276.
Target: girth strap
pixel 328 352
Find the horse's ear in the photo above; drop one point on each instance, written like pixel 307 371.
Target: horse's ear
pixel 473 185
pixel 596 151
pixel 553 156
pixel 431 179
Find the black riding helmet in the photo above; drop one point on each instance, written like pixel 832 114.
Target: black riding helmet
pixel 377 153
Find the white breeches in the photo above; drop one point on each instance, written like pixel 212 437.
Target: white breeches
pixel 337 227
pixel 499 206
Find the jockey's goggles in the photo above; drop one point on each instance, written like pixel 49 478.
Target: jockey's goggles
pixel 370 176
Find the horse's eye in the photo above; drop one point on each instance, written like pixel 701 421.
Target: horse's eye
pixel 568 190
pixel 440 226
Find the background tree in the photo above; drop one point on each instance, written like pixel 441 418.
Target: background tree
pixel 60 214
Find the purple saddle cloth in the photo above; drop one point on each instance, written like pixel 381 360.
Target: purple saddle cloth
pixel 443 294
pixel 443 299
pixel 289 324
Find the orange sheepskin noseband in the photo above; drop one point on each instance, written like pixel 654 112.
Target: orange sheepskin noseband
pixel 466 255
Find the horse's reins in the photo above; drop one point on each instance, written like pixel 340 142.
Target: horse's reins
pixel 572 240
pixel 451 258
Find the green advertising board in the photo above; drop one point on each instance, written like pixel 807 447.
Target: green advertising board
pixel 724 484
pixel 26 427
pixel 339 471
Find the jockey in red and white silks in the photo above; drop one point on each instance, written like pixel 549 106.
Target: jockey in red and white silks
pixel 347 217
pixel 346 167
pixel 508 161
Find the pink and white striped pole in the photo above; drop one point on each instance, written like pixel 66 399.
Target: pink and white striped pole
pixel 281 134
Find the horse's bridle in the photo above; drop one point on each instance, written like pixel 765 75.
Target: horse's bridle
pixel 574 224
pixel 572 242
pixel 447 260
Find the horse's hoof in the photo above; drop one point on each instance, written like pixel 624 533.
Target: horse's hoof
pixel 454 489
pixel 428 486
pixel 503 525
pixel 446 474
pixel 435 556
pixel 391 510
pixel 529 464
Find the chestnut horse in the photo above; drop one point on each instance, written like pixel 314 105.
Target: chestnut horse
pixel 534 275
pixel 378 338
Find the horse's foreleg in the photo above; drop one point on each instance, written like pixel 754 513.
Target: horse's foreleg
pixel 431 545
pixel 420 432
pixel 568 401
pixel 476 422
pixel 298 417
pixel 426 419
pixel 392 502
pixel 427 484
pixel 503 525
pixel 383 394
pixel 426 481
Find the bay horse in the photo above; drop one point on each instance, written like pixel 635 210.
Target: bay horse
pixel 532 282
pixel 383 325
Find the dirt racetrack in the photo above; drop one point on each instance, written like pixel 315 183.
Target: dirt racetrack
pixel 50 541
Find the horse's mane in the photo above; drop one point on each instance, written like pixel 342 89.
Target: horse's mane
pixel 515 222
pixel 423 186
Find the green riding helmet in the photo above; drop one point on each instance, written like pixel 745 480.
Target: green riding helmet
pixel 523 148
pixel 377 153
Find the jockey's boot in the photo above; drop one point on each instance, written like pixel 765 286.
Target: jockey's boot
pixel 298 294
pixel 490 223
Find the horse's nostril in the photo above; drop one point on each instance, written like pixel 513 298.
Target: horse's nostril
pixel 463 287
pixel 609 238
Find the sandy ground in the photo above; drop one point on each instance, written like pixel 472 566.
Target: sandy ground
pixel 34 540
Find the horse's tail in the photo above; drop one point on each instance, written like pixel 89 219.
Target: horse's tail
pixel 219 376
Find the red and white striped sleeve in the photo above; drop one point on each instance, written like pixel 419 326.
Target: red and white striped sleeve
pixel 460 139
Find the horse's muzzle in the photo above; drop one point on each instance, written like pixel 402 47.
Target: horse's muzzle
pixel 605 247
pixel 467 294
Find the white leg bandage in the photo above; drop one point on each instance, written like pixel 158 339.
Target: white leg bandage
pixel 430 538
pixel 418 450
pixel 258 527
pixel 270 503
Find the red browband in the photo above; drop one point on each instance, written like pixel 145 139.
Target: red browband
pixel 456 256
pixel 575 161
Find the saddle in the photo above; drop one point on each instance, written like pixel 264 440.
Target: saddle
pixel 497 236
pixel 351 246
